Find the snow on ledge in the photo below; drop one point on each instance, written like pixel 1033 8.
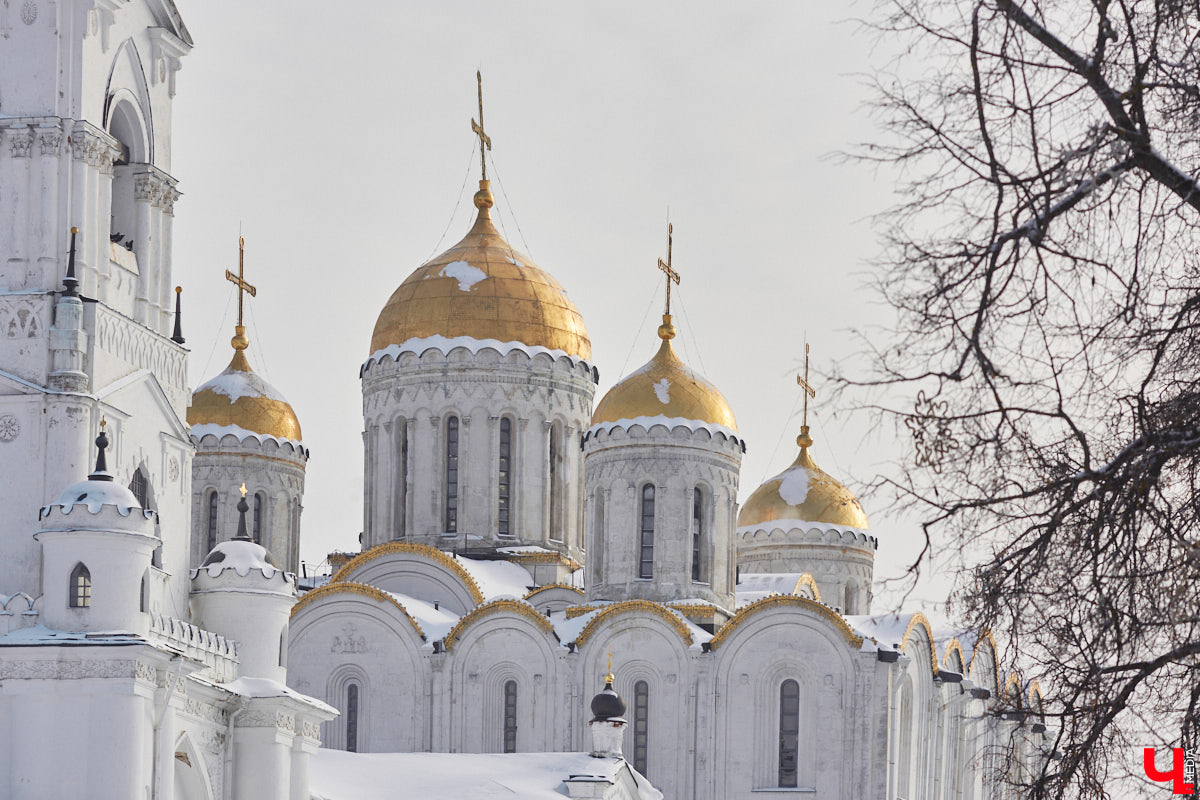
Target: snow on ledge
pixel 445 344
pixel 265 687
pixel 668 422
pixel 219 431
pixel 801 524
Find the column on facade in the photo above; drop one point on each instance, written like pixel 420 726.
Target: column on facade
pixel 143 195
pixel 20 141
pixel 49 231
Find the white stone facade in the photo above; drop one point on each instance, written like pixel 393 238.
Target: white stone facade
pixel 272 471
pixel 693 476
pixel 409 397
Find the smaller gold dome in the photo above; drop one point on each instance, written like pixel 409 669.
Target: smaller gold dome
pixel 665 387
pixel 803 492
pixel 240 397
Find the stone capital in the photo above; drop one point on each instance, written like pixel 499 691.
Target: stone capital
pixel 20 141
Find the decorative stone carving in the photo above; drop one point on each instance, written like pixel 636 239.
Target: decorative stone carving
pixel 29 12
pixel 50 142
pixel 10 428
pixel 21 141
pixel 348 642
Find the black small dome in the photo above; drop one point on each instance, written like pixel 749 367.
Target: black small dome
pixel 607 705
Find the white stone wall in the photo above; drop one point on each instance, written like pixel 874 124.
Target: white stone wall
pixel 841 560
pixel 269 468
pixel 677 463
pixel 406 403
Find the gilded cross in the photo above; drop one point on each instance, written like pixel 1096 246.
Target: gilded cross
pixel 672 275
pixel 809 391
pixel 477 128
pixel 239 280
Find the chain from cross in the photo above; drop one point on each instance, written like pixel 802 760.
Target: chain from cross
pixel 809 391
pixel 239 280
pixel 672 275
pixel 485 141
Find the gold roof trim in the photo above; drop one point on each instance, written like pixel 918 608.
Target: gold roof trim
pixel 689 395
pixel 548 586
pixel 633 606
pixel 954 646
pixel 364 589
pixel 776 601
pixel 807 580
pixel 495 607
pixel 543 558
pixel 919 619
pixel 578 611
pixel 1034 693
pixel 424 550
pixel 986 636
pixel 701 611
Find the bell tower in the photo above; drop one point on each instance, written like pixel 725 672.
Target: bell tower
pixel 86 215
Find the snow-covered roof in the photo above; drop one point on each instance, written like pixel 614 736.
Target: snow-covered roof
pixel 265 687
pixel 41 635
pixel 435 622
pixel 338 775
pixel 242 556
pixel 201 430
pixel 445 344
pixel 96 494
pixel 669 423
pixel 497 579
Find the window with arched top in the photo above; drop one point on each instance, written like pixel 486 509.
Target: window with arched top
pixel 698 572
pixel 789 733
pixel 260 503
pixel 646 558
pixel 400 490
pixel 352 718
pixel 504 478
pixel 212 519
pixel 79 593
pixel 851 606
pixel 451 509
pixel 641 726
pixel 597 554
pixel 140 486
pixel 554 467
pixel 283 638
pixel 144 595
pixel 510 716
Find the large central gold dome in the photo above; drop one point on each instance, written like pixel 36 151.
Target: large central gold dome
pixel 483 289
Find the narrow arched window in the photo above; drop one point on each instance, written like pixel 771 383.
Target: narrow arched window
pixel 554 457
pixel 641 725
pixel 789 733
pixel 451 475
pixel 510 716
pixel 504 478
pixel 697 535
pixel 259 503
pixel 646 562
pixel 140 486
pixel 144 594
pixel 597 554
pixel 80 590
pixel 352 718
pixel 850 598
pixel 212 519
pixel 400 513
pixel 283 646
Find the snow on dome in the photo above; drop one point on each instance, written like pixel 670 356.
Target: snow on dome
pixel 240 397
pixel 95 494
pixel 482 288
pixel 241 555
pixel 445 344
pixel 802 493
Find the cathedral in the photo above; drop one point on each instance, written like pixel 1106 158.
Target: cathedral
pixel 554 593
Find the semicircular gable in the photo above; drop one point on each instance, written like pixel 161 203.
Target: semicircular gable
pixel 554 597
pixel 633 607
pixel 953 649
pixel 348 587
pixel 397 565
pixel 783 600
pixel 495 607
pixel 988 643
pixel 807 580
pixel 918 625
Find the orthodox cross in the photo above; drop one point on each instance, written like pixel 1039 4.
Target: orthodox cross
pixel 672 275
pixel 239 280
pixel 484 139
pixel 809 391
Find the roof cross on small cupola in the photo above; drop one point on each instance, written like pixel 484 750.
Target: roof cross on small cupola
pixel 240 342
pixel 804 439
pixel 101 471
pixel 483 198
pixel 242 508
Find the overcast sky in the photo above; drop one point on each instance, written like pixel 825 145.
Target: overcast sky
pixel 337 136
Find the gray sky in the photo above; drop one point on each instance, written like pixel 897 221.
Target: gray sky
pixel 338 137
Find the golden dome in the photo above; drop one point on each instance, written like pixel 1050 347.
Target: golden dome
pixel 803 492
pixel 483 289
pixel 239 396
pixel 665 387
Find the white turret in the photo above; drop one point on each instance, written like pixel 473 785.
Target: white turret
pixel 97 542
pixel 242 593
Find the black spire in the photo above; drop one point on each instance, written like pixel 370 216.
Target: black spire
pixel 242 508
pixel 70 281
pixel 177 336
pixel 101 471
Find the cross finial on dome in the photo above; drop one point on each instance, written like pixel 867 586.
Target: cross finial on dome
pixel 666 331
pixel 240 342
pixel 804 439
pixel 608 676
pixel 483 198
pixel 101 471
